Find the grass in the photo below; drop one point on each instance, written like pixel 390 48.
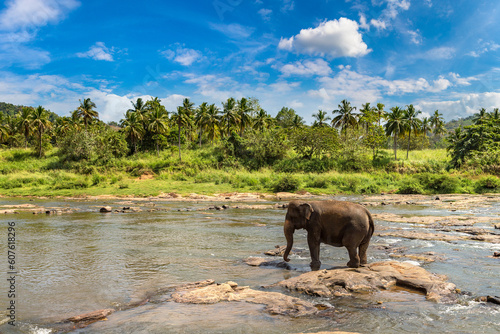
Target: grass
pixel 145 174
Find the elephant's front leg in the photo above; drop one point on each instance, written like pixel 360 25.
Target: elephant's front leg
pixel 314 242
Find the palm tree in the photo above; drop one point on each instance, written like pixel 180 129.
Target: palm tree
pixel 262 120
pixel 188 107
pixel 87 112
pixel 426 126
pixel 380 112
pixel 158 124
pixel 495 114
pixel 229 115
pixel 297 122
pixel 412 123
pixel 243 110
pixel 321 119
pixel 133 127
pixel 24 123
pixel 480 117
pixel 40 122
pixel 366 115
pixel 346 118
pixel 213 122
pixel 183 119
pixel 201 118
pixel 436 121
pixel 395 126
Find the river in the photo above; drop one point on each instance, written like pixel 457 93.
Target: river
pixel 73 263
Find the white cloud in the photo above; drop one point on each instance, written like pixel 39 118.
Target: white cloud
pixel 265 14
pixel 23 14
pixel 463 105
pixel 306 68
pixel 233 30
pixel 415 37
pixel 378 24
pixel 484 47
pixel 360 88
pixel 183 56
pixel 99 51
pixel 459 81
pixel 335 38
pixel 443 52
pixel 288 5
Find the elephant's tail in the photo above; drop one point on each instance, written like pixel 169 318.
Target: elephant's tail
pixel 371 229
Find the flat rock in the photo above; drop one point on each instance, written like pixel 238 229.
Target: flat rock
pixel 262 262
pixel 277 251
pixel 91 316
pixel 275 302
pixel 372 278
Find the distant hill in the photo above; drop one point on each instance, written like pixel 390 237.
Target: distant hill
pixel 453 124
pixel 12 109
pixel 9 109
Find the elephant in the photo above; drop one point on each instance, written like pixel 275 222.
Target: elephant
pixel 336 223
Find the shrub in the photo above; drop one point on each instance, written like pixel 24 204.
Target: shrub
pixel 286 183
pixel 488 183
pixel 439 183
pixel 410 186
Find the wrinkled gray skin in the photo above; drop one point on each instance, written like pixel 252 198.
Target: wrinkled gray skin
pixel 335 223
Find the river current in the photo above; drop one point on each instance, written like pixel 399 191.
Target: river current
pixel 78 262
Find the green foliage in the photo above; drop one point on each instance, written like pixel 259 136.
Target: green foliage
pixel 487 184
pixel 410 186
pixel 287 182
pixel 314 142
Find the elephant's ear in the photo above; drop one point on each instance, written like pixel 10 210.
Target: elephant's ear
pixel 306 210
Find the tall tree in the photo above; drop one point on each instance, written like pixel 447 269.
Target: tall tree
pixel 244 110
pixel 133 127
pixel 188 108
pixel 87 112
pixel 183 120
pixel 24 123
pixel 346 117
pixel 412 123
pixel 41 123
pixel 262 120
pixel 321 119
pixel 437 123
pixel 213 122
pixel 229 115
pixel 201 118
pixel 480 117
pixel 366 116
pixel 158 124
pixel 395 126
pixel 380 112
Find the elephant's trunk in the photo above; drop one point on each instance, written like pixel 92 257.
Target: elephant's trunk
pixel 289 229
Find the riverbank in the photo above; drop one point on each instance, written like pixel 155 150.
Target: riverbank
pixel 148 175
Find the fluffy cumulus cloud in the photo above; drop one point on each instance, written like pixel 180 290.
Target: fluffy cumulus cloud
pixel 99 51
pixel 335 38
pixel 462 105
pixel 24 14
pixel 306 68
pixel 361 88
pixel 183 56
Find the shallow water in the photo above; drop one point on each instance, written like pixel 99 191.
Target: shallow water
pixel 80 262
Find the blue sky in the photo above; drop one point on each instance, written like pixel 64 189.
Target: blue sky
pixel 305 55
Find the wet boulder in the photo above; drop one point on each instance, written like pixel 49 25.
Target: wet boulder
pixel 106 209
pixel 275 303
pixel 372 278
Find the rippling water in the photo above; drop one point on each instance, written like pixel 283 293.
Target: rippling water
pixel 80 262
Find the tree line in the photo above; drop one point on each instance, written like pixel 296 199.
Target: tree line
pixel 148 126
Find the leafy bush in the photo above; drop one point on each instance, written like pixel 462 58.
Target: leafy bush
pixel 410 186
pixel 439 183
pixel 286 183
pixel 488 183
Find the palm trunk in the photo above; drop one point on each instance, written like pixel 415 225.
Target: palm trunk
pixel 408 149
pixel 395 147
pixel 180 157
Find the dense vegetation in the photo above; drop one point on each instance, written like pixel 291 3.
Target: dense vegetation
pixel 242 147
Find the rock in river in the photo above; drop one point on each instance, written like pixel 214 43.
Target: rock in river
pixel 275 302
pixel 372 278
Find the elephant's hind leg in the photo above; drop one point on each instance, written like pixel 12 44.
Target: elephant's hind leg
pixel 353 256
pixel 362 253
